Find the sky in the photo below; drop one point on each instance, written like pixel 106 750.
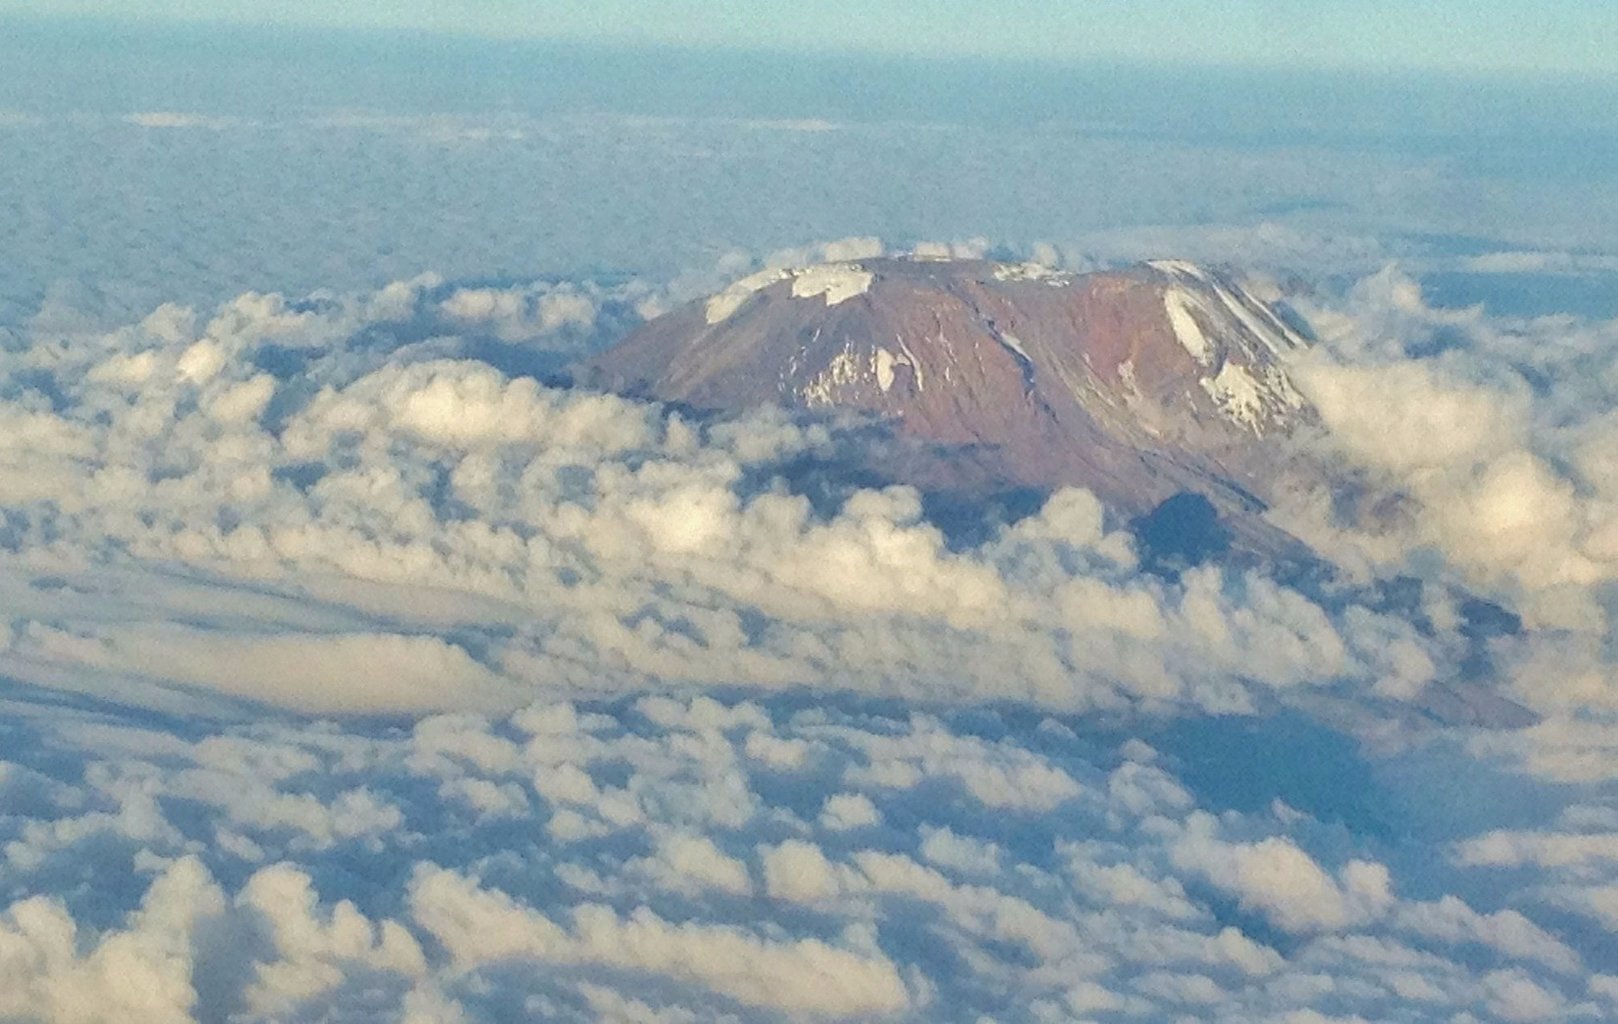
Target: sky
pixel 355 667
pixel 1544 36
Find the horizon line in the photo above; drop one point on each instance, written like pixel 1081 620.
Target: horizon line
pixel 64 25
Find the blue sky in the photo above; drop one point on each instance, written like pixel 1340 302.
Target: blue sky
pixel 1523 35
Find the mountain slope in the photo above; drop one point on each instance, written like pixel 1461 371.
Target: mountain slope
pixel 1138 384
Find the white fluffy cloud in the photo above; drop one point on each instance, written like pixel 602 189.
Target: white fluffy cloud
pixel 660 739
pixel 143 972
pixel 1500 471
pixel 477 536
pixel 713 883
pixel 1276 878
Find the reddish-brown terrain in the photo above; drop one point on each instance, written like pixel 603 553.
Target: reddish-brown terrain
pixel 1141 384
pixel 1138 384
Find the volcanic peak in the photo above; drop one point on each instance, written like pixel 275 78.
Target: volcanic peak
pixel 1137 383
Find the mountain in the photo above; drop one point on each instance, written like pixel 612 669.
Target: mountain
pixel 1139 384
pixel 1163 388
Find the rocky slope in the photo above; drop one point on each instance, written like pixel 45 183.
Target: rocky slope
pixel 1138 384
pixel 1163 388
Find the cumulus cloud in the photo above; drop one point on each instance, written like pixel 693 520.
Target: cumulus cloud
pixel 1507 848
pixel 1476 447
pixel 609 698
pixel 1277 878
pixel 618 727
pixel 711 883
pixel 1450 408
pixel 142 972
pixel 807 976
pixel 477 534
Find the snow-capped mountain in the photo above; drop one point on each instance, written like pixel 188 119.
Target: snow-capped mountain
pixel 1138 384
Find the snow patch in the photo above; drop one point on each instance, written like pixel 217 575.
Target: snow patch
pixel 844 369
pixel 1126 377
pixel 1031 271
pixel 1011 342
pixel 1179 268
pixel 1179 306
pixel 1246 309
pixel 914 363
pixel 1250 401
pixel 849 368
pixel 884 362
pixel 721 306
pixel 1250 312
pixel 1238 395
pixel 1280 387
pixel 838 282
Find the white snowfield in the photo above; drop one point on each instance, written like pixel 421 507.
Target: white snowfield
pixel 1179 303
pixel 1229 333
pixel 1252 314
pixel 843 370
pixel 1032 271
pixel 721 306
pixel 884 362
pixel 846 370
pixel 1247 334
pixel 838 282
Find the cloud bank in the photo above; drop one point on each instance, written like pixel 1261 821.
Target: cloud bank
pixel 352 669
pixel 672 858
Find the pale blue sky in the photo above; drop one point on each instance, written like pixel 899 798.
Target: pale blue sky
pixel 1529 35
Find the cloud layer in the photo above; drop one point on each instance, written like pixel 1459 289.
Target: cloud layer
pixel 475 537
pixel 672 859
pixel 353 670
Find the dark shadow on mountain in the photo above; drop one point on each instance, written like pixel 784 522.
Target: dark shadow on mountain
pixel 970 520
pixel 1294 320
pixel 826 483
pixel 1183 531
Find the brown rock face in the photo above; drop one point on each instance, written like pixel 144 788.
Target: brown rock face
pixel 1137 384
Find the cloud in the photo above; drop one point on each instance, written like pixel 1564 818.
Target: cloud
pixel 1507 848
pixel 322 674
pixel 178 119
pixel 477 535
pixel 352 671
pixel 1278 879
pixel 1450 409
pixel 799 872
pixel 1507 931
pixel 314 950
pixel 808 976
pixel 141 974
pixel 609 696
pixel 710 883
pixel 844 811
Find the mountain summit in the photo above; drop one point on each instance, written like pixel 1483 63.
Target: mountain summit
pixel 1139 384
